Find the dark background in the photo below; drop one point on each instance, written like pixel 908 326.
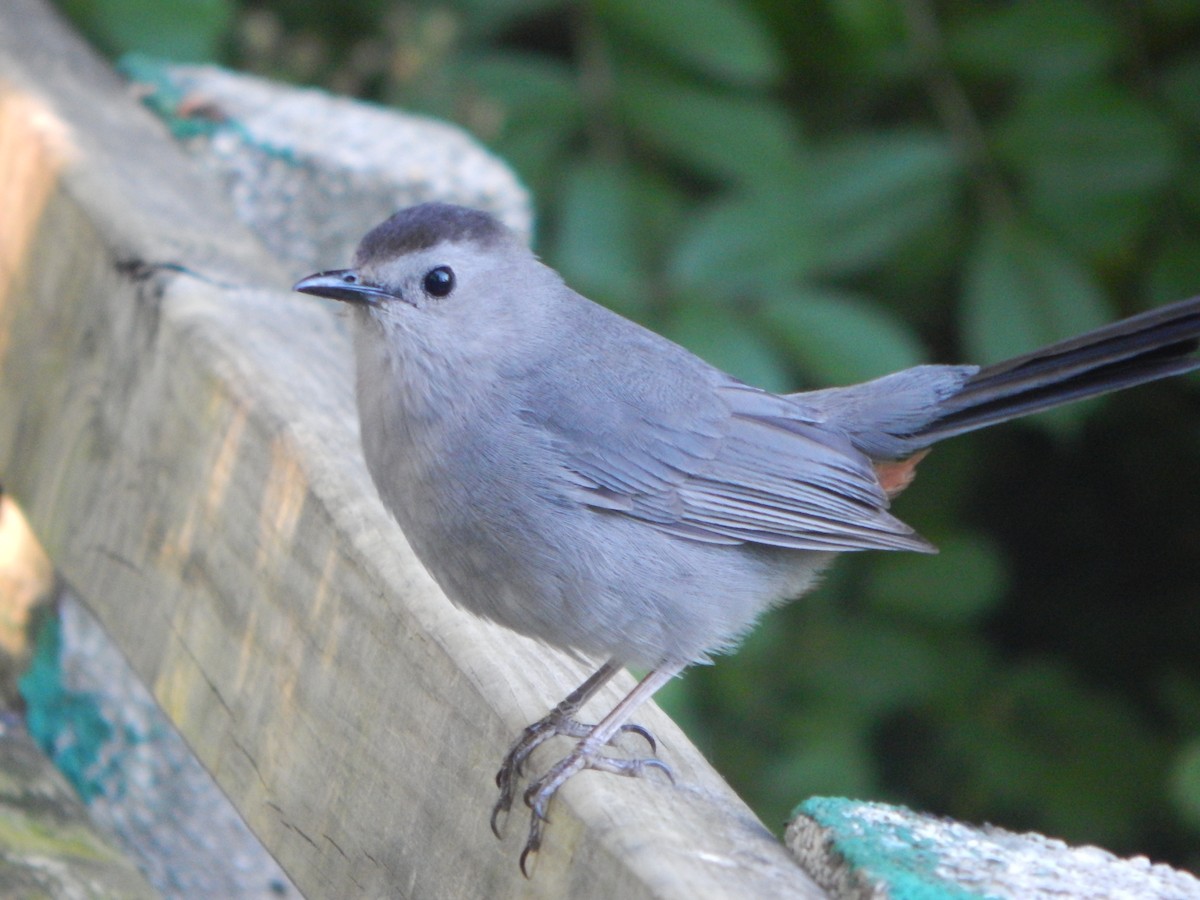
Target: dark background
pixel 817 193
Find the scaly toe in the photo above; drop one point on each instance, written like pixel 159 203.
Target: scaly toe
pixel 630 768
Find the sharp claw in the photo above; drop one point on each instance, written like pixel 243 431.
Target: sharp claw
pixel 656 763
pixel 633 728
pixel 504 781
pixel 532 845
pixel 500 817
pixel 525 854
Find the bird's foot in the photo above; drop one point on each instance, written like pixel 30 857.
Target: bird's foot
pixel 539 793
pixel 555 724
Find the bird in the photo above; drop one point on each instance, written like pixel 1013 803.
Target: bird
pixel 580 479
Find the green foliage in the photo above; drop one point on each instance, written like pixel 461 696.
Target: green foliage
pixel 817 193
pixel 714 134
pixel 872 192
pixel 183 30
pixel 1045 43
pixel 840 338
pixel 1021 291
pixel 962 583
pixel 1091 160
pixel 718 38
pixel 1185 787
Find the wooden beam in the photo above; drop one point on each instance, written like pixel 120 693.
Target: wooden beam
pixel 49 847
pixel 863 851
pixel 180 432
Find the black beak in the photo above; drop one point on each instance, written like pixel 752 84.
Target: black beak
pixel 345 285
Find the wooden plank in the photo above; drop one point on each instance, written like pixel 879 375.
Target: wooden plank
pixel 861 851
pixel 185 447
pixel 48 845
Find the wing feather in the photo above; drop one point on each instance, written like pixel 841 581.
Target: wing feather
pixel 741 466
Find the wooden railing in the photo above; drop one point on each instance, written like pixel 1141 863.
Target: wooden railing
pixel 180 431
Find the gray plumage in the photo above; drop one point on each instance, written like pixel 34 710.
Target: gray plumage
pixel 575 477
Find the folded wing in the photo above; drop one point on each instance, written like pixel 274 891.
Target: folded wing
pixel 747 468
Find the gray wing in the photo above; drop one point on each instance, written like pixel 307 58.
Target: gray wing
pixel 728 464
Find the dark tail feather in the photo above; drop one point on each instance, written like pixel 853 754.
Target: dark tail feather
pixel 1136 350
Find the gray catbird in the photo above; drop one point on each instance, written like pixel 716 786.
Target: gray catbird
pixel 577 478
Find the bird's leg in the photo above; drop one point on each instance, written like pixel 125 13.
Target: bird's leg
pixel 588 754
pixel 559 721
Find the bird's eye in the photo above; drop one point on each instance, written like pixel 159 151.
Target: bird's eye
pixel 439 282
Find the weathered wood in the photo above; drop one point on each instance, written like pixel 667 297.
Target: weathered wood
pixel 26 581
pixel 185 447
pixel 871 851
pixel 310 172
pixel 48 845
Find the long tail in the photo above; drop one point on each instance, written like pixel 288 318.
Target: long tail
pixel 1133 351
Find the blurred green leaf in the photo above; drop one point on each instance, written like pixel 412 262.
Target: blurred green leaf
pixel 829 755
pixel 728 341
pixel 722 135
pixel 838 338
pixel 744 244
pixel 874 24
pixel 870 193
pixel 596 243
pixel 1185 782
pixel 1173 13
pixel 1189 187
pixel 867 666
pixel 1050 41
pixel 490 19
pixel 1179 698
pixel 1022 291
pixel 525 90
pixel 964 580
pixel 526 108
pixel 945 487
pixel 720 38
pixel 1044 740
pixel 181 31
pixel 1091 160
pixel 1181 88
pixel 1174 273
pixel 661 206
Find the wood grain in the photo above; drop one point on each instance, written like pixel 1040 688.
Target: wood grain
pixel 184 444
